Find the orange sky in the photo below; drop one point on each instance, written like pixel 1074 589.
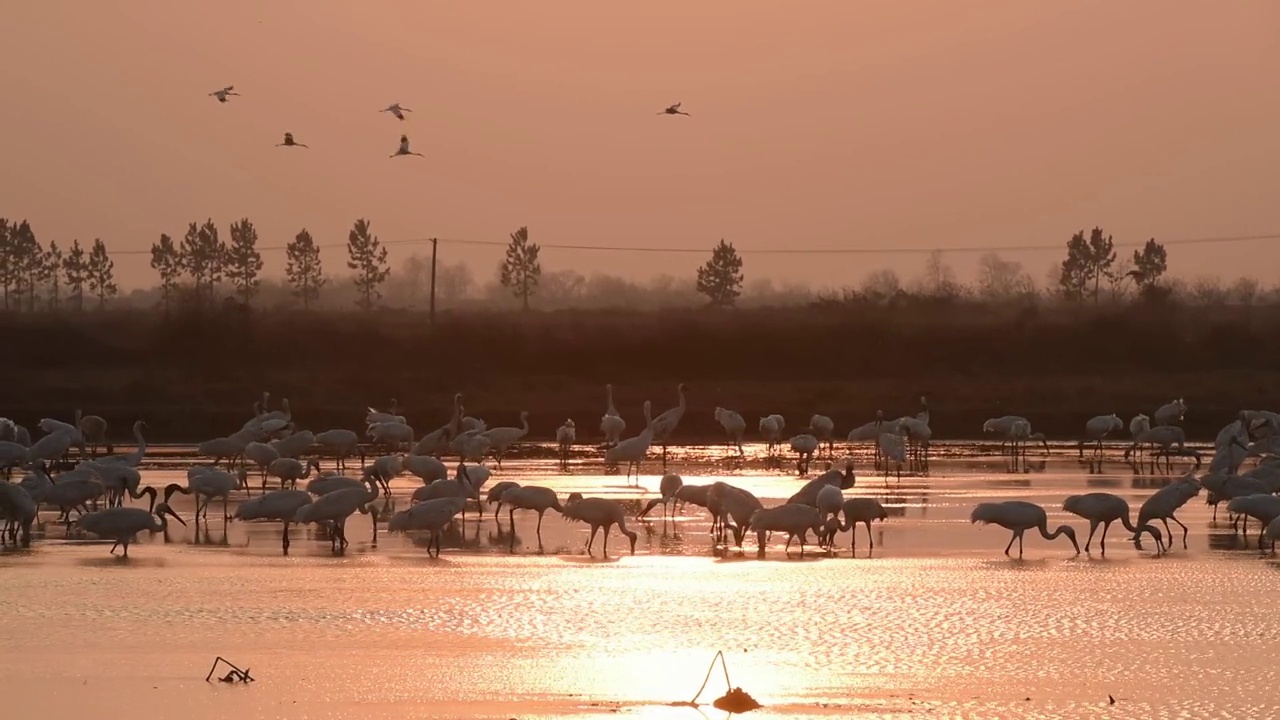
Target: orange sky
pixel 818 124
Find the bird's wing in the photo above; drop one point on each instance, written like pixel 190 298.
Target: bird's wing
pixel 676 106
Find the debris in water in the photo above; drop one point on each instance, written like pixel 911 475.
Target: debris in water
pixel 1111 700
pixel 233 675
pixel 735 701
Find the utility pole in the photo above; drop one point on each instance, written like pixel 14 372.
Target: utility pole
pixel 435 243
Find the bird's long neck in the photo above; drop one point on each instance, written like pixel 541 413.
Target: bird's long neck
pixel 1124 519
pixel 609 409
pixel 1044 531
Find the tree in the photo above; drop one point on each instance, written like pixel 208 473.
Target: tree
pixel 721 278
pixel 1000 279
pixel 75 268
pixel 521 269
pixel 881 286
pixel 243 262
pixel 939 278
pixel 8 271
pixel 27 258
pixel 1149 264
pixel 166 261
pixel 369 259
pixel 1086 260
pixel 53 273
pixel 101 270
pixel 203 255
pixel 453 282
pixel 303 268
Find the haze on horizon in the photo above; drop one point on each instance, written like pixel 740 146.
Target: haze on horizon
pixel 832 124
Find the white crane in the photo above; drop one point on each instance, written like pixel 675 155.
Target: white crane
pixel 870 432
pixel 93 429
pixel 224 93
pixel 673 110
pixel 342 443
pixel 1171 413
pixel 531 497
pixel 804 446
pixel 404 148
pixel 122 523
pixel 668 487
pixel 843 480
pixel 377 416
pixel 289 141
pixel 1020 517
pixel 1165 502
pixel 1105 508
pixel 132 459
pixel 734 426
pixel 823 428
pixel 1262 507
pixel 1095 430
pixel 501 438
pixel 566 435
pixel 290 470
pixel 730 503
pixel 633 450
pixel 397 110
pixel 207 483
pixel 432 516
pixel 277 505
pixel 771 428
pixel 496 493
pixel 859 510
pixel 611 424
pixel 795 520
pixel 334 508
pixel 598 513
pixel 18 509
pixel 665 424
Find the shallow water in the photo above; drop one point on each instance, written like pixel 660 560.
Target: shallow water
pixel 937 621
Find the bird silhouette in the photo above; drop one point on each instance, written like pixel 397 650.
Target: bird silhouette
pixel 224 93
pixel 404 148
pixel 674 110
pixel 396 110
pixel 289 141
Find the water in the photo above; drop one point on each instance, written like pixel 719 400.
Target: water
pixel 936 622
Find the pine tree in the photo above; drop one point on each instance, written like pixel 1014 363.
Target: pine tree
pixel 168 263
pixel 203 257
pixel 76 270
pixel 721 278
pixel 243 260
pixel 27 257
pixel 1149 264
pixel 369 259
pixel 53 274
pixel 101 273
pixel 521 270
pixel 303 268
pixel 8 270
pixel 1086 260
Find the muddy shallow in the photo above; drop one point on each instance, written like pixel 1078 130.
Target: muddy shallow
pixel 937 621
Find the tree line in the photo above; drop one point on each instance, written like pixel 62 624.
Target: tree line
pixel 34 277
pixel 192 271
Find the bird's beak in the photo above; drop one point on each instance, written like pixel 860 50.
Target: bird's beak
pixel 169 511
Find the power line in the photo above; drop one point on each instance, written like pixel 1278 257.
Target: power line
pixel 781 251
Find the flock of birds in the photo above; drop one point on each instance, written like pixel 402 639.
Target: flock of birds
pixel 272 444
pixel 224 94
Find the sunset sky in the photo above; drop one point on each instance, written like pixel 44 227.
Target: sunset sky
pixel 815 125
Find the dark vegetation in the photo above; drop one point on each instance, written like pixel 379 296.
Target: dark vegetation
pixel 194 374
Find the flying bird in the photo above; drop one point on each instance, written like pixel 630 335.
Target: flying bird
pixel 395 109
pixel 289 142
pixel 224 93
pixel 674 110
pixel 404 148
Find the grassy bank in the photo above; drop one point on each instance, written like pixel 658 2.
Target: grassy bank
pixel 195 377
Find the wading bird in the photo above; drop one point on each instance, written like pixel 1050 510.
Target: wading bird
pixel 1106 508
pixel 611 424
pixel 1020 517
pixel 278 505
pixel 122 523
pixel 598 513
